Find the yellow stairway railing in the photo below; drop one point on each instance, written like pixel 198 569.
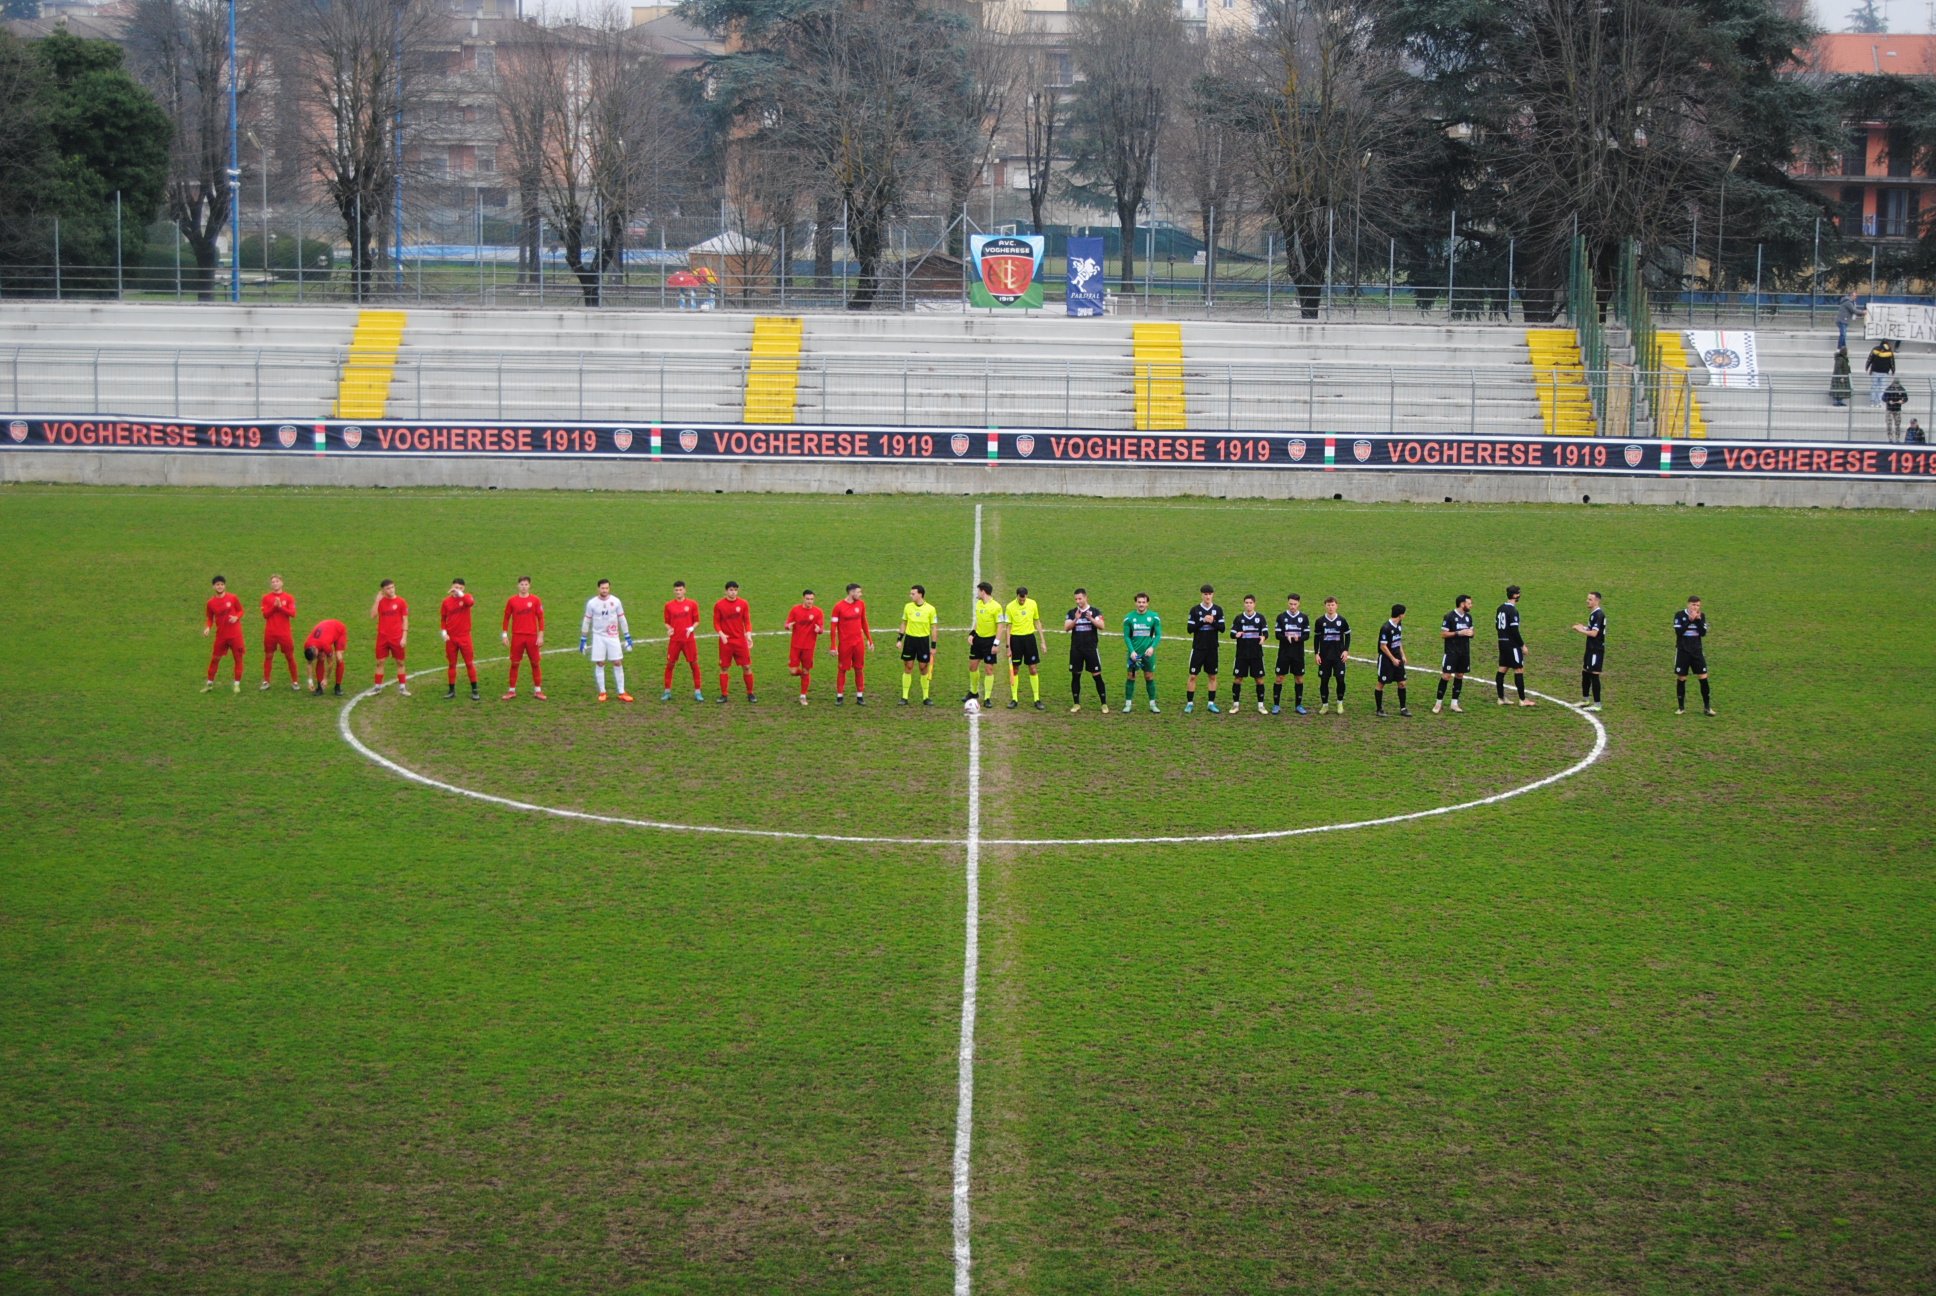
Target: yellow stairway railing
pixel 364 390
pixel 1159 377
pixel 1560 374
pixel 1679 414
pixel 773 370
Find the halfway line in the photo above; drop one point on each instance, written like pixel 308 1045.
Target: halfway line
pixel 970 969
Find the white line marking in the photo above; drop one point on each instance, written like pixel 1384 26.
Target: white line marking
pixel 970 970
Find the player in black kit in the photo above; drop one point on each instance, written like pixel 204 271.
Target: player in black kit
pixel 1249 630
pixel 1512 648
pixel 1206 636
pixel 1293 631
pixel 1083 624
pixel 1391 661
pixel 1690 654
pixel 1333 635
pixel 1595 661
pixel 1456 634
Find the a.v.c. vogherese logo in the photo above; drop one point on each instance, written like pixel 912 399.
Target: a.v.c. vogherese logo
pixel 622 438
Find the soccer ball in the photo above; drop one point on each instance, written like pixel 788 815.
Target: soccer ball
pixel 971 707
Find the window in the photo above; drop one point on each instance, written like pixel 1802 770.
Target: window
pixel 1896 210
pixel 1061 69
pixel 1850 217
pixel 487 159
pixel 1902 153
pixel 1855 154
pixel 486 59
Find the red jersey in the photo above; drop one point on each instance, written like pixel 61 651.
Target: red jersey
pixel 329 634
pixel 224 615
pixel 455 613
pixel 390 613
pixel 850 623
pixel 734 619
pixel 278 610
pixel 682 618
pixel 806 624
pixel 524 614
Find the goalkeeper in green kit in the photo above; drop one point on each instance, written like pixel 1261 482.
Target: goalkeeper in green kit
pixel 1142 631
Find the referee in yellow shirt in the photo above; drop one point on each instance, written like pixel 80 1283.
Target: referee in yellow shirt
pixel 981 643
pixel 918 621
pixel 1024 645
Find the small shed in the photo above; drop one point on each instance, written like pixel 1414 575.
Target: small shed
pixel 743 264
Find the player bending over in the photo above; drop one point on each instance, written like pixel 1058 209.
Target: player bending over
pixel 454 626
pixel 1248 630
pixel 278 610
pixel 392 616
pixel 1595 660
pixel 1333 635
pixel 1024 617
pixel 982 639
pixel 222 618
pixel 604 636
pixel 851 641
pixel 1512 649
pixel 1142 632
pixel 1083 624
pixel 805 622
pixel 1391 661
pixel 733 623
pixel 328 644
pixel 918 621
pixel 1455 661
pixel 524 632
pixel 1690 654
pixel 682 639
pixel 1206 638
pixel 1293 632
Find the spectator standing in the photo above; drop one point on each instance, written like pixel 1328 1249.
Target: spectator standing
pixel 1894 397
pixel 1881 368
pixel 1846 314
pixel 1839 382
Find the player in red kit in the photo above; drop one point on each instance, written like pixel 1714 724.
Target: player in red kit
pixel 851 641
pixel 682 631
pixel 328 642
pixel 278 610
pixel 223 619
pixel 392 632
pixel 807 623
pixel 524 631
pixel 733 622
pixel 454 619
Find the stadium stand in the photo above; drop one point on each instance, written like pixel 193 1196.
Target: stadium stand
pixel 773 370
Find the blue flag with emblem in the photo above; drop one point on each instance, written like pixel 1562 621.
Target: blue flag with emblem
pixel 1087 284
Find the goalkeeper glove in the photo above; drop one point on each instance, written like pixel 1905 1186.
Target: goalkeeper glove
pixel 583 643
pixel 628 643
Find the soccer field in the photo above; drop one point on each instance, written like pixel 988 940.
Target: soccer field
pixel 280 1020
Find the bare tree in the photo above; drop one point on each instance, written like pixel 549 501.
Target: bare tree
pixel 976 104
pixel 526 91
pixel 1207 159
pixel 1044 112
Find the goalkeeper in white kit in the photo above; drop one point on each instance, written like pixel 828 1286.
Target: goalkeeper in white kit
pixel 605 636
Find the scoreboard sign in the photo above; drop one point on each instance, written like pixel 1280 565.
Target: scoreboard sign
pixel 713 442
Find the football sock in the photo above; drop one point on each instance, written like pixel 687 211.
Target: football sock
pixel 1277 692
pixel 1706 699
pixel 1213 695
pixel 1401 697
pixel 618 675
pixel 1149 685
pixel 1190 696
pixel 1519 682
pixel 987 687
pixel 1035 686
pixel 1458 686
pixel 1596 686
pixel 537 676
pixel 450 674
pixel 1014 686
pixel 927 683
pixel 860 686
pixel 907 678
pixel 1442 686
pixel 1324 690
pixel 1586 684
pixel 1499 682
pixel 598 673
pixel 972 685
pixel 1129 688
pixel 804 677
pixel 725 682
pixel 1340 686
pixel 1378 700
pixel 1260 690
pixel 668 674
pixel 1102 689
pixel 1075 684
pixel 1680 692
pixel 339 672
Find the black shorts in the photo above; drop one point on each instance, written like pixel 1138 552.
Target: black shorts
pixel 1025 648
pixel 1084 655
pixel 1290 659
pixel 1457 661
pixel 1512 656
pixel 981 648
pixel 1250 659
pixel 1329 664
pixel 918 648
pixel 1203 656
pixel 1689 663
pixel 1596 657
pixel 1388 673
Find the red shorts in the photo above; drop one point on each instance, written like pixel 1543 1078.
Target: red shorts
pixel 736 652
pixel 455 648
pixel 231 642
pixel 684 646
pixel 282 642
pixel 388 648
pixel 852 656
pixel 524 646
pixel 800 657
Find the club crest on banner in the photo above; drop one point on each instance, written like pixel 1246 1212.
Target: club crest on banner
pixel 1025 445
pixel 287 435
pixel 1698 456
pixel 352 437
pixel 1633 455
pixel 1361 450
pixel 1297 450
pixel 622 438
pixel 688 440
pixel 959 443
pixel 17 430
pixel 1007 269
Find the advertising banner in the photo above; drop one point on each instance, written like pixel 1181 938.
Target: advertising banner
pixel 1008 270
pixel 1087 283
pixel 1011 448
pixel 1899 323
pixel 1729 357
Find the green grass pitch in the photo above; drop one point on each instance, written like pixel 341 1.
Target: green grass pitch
pixel 276 1020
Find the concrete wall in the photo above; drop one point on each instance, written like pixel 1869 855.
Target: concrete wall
pixel 230 470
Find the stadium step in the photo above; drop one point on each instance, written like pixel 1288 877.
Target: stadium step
pixel 1679 414
pixel 773 369
pixel 1559 374
pixel 364 392
pixel 1159 377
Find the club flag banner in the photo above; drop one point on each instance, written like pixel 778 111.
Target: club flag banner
pixel 1729 357
pixel 1899 323
pixel 1087 284
pixel 1008 270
